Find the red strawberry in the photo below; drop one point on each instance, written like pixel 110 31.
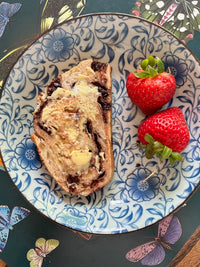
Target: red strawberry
pixel 164 134
pixel 150 87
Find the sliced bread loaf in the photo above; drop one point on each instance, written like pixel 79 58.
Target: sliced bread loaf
pixel 73 128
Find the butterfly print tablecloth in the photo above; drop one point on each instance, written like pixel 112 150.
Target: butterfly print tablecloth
pixel 26 236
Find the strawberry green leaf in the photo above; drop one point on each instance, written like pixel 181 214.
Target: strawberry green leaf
pixel 153 72
pixel 176 156
pixel 149 139
pixel 151 67
pixel 158 146
pixel 144 64
pixel 158 149
pixel 141 74
pixel 160 65
pixel 152 61
pixel 166 153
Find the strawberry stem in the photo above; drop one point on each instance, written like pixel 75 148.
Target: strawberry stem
pixel 158 149
pixel 151 67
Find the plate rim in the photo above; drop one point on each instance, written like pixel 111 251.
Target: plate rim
pixel 2 89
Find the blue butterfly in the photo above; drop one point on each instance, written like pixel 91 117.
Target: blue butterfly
pixel 8 220
pixel 6 11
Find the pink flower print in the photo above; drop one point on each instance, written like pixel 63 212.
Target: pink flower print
pixel 190 36
pixel 138 3
pixel 135 12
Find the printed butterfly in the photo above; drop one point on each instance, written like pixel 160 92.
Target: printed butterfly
pixel 43 248
pixel 153 253
pixel 55 12
pixel 52 13
pixel 6 11
pixel 8 220
pixel 181 17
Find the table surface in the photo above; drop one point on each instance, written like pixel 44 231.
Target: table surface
pixel 80 249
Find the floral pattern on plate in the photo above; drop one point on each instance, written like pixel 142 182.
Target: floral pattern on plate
pixel 127 203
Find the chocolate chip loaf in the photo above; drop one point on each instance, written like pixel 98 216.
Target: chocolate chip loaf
pixel 73 128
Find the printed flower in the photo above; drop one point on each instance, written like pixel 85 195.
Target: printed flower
pixel 58 45
pixel 136 13
pixel 181 17
pixel 140 190
pixel 177 67
pixel 27 156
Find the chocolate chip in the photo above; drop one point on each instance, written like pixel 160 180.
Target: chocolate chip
pixel 98 144
pixel 44 127
pixel 53 86
pixel 89 127
pixel 96 66
pixel 101 175
pixel 103 99
pixel 95 182
pixel 72 188
pixel 39 110
pixel 73 179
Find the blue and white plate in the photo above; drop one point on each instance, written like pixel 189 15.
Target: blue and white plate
pixel 127 203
